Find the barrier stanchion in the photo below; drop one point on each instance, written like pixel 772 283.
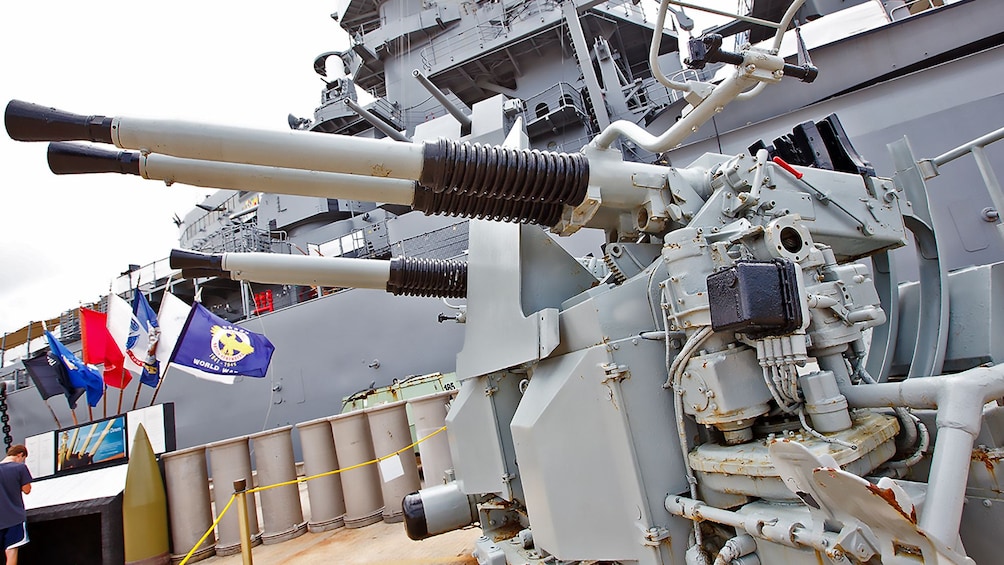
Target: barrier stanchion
pixel 240 491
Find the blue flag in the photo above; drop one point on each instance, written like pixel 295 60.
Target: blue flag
pixel 80 375
pixel 213 345
pixel 149 327
pixel 50 378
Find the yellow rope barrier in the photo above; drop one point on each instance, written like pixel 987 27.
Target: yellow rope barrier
pixel 202 540
pixel 299 480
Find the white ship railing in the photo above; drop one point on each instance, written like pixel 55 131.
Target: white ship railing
pixel 911 8
pixel 473 39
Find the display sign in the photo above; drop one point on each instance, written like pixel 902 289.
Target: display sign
pixel 92 444
pixel 99 443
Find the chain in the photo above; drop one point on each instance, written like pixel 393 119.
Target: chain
pixel 4 417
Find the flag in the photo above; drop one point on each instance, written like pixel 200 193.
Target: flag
pixel 50 378
pixel 147 324
pixel 81 376
pixel 213 346
pixel 172 316
pixel 99 348
pixel 125 331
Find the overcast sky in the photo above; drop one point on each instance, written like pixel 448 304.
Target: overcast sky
pixel 222 61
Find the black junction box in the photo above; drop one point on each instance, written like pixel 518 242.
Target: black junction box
pixel 758 298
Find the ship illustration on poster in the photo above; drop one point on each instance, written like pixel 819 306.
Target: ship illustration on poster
pixel 91 444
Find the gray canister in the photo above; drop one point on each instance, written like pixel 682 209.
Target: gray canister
pixel 327 505
pixel 429 414
pixel 280 506
pixel 229 461
pixel 361 486
pixel 189 507
pixel 399 474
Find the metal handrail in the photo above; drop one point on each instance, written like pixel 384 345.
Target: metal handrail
pixel 929 168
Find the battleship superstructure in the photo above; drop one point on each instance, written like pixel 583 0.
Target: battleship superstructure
pixel 416 70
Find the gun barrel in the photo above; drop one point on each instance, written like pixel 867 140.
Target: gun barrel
pixel 438 177
pixel 287 149
pixel 375 121
pixel 461 117
pixel 73 158
pixel 409 276
pixel 215 174
pixel 466 170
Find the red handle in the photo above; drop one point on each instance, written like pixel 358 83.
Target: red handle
pixel 787 167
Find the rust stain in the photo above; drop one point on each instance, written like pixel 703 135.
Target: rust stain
pixel 889 496
pixel 612 398
pixel 506 532
pixel 901 549
pixel 990 461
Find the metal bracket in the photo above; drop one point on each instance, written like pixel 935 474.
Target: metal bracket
pixel 655 535
pixel 928 168
pixel 853 540
pixel 615 372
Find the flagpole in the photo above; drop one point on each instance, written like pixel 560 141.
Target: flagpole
pixel 139 387
pixel 122 388
pixel 104 400
pixel 168 288
pixel 73 413
pixel 163 375
pixel 53 412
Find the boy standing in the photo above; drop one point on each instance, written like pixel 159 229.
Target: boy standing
pixel 15 479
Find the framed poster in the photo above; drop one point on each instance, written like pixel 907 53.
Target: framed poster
pixel 94 444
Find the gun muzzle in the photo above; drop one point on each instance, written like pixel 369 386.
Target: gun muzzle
pixel 201 264
pixel 74 158
pixel 33 122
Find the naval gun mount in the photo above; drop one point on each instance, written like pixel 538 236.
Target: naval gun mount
pixel 712 395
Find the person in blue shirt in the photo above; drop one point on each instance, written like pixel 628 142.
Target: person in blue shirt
pixel 15 480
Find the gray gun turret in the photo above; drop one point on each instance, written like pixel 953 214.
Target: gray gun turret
pixel 724 280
